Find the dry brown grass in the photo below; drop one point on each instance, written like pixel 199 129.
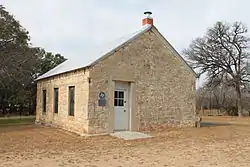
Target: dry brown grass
pixel 47 147
pixel 227 119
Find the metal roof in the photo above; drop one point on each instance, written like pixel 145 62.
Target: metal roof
pixel 93 55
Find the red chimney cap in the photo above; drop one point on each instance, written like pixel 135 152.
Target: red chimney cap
pixel 148 20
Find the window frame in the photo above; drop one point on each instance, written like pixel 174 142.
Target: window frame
pixel 71 108
pixel 44 101
pixel 118 98
pixel 56 100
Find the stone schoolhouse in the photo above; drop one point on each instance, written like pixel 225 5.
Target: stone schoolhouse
pixel 135 83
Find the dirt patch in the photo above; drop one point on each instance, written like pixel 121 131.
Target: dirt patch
pixel 42 146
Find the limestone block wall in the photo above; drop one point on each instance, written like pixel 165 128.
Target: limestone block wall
pixel 77 123
pixel 164 87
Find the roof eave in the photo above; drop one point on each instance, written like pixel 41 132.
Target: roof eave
pixel 65 72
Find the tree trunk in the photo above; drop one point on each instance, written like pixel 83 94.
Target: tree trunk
pixel 239 101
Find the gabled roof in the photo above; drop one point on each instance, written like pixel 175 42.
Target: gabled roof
pixel 93 55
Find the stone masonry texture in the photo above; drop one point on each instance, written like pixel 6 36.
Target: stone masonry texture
pixel 77 123
pixel 164 89
pixel 164 85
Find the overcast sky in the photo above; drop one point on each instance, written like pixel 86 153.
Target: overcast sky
pixel 67 27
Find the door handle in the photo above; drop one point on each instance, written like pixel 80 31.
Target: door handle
pixel 124 110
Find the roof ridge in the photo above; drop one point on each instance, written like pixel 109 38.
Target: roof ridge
pixel 93 55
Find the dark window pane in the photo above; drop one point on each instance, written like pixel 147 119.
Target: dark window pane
pixel 115 102
pixel 121 94
pixel 121 102
pixel 56 100
pixel 116 94
pixel 71 100
pixel 44 101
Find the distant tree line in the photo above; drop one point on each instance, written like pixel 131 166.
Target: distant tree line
pixel 222 54
pixel 20 64
pixel 221 98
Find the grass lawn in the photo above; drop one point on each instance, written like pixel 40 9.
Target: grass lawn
pixel 16 121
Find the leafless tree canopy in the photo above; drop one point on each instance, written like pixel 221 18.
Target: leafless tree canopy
pixel 222 54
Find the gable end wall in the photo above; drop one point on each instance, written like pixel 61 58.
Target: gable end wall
pixel 164 85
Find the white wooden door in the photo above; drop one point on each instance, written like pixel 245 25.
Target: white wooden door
pixel 121 114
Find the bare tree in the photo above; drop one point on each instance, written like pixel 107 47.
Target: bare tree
pixel 223 51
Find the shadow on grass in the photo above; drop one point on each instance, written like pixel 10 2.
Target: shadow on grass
pixel 212 124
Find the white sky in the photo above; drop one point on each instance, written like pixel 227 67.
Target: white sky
pixel 67 27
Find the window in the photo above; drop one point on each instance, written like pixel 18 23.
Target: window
pixel 119 98
pixel 56 100
pixel 71 100
pixel 44 101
